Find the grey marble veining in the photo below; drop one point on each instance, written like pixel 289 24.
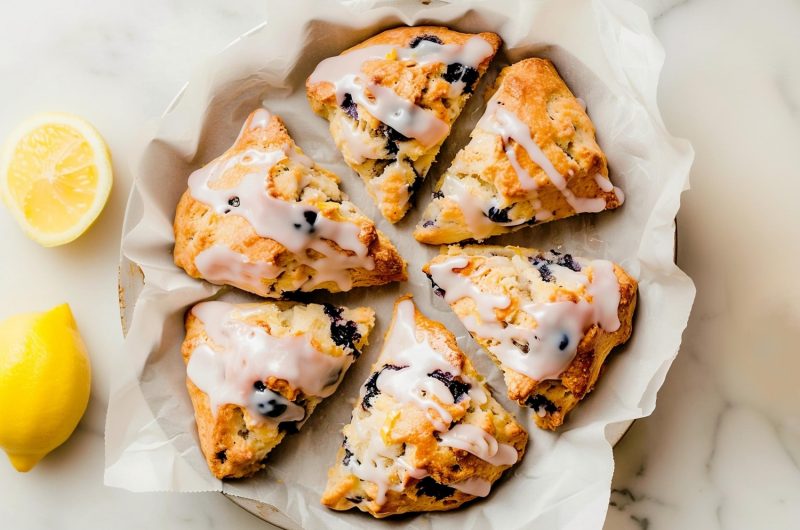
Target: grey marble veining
pixel 721 449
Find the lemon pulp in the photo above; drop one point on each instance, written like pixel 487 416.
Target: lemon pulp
pixel 56 177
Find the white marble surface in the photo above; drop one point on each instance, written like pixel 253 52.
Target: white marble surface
pixel 723 447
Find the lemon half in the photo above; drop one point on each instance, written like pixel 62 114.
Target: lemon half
pixel 45 380
pixel 55 177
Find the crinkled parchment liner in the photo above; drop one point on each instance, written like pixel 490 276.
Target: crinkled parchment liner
pixel 608 55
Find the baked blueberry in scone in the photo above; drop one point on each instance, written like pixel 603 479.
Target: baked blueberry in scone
pixel 391 101
pixel 532 158
pixel 548 319
pixel 265 218
pixel 257 371
pixel 426 433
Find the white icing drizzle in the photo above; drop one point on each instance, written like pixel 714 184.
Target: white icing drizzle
pixel 604 290
pixel 345 73
pixel 378 463
pixel 472 207
pixel 480 487
pixel 480 443
pixel 259 119
pixel 545 351
pixel 603 182
pixel 508 126
pixel 360 145
pixel 411 384
pixel 295 225
pixel 458 286
pixel 220 265
pixel 244 353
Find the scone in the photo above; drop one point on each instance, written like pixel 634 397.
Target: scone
pixel 265 218
pixel 256 372
pixel 532 158
pixel 548 319
pixel 391 101
pixel 426 434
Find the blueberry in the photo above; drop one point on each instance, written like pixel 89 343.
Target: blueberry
pixel 469 77
pixel 438 195
pixel 343 332
pixel 567 261
pixel 333 312
pixel 371 386
pixel 458 72
pixel 234 201
pixel 541 265
pixel 222 456
pixel 537 401
pixel 311 217
pixel 428 224
pixel 454 72
pixel 355 500
pixel 438 291
pixel 347 456
pixel 426 36
pixel 392 137
pixel 498 215
pixel 349 106
pixel 431 488
pixel 457 388
pixel 564 342
pixel 272 408
pixel 267 402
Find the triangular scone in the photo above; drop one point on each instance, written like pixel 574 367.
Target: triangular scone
pixel 548 319
pixel 426 433
pixel 532 158
pixel 265 218
pixel 391 101
pixel 257 371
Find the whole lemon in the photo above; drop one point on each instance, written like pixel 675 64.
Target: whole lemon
pixel 45 378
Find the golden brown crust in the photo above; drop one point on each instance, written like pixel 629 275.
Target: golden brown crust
pixel 197 227
pixel 390 183
pixel 508 271
pixel 533 91
pixel 234 443
pixel 407 429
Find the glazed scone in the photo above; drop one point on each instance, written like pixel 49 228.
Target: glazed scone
pixel 265 218
pixel 257 371
pixel 532 158
pixel 548 319
pixel 426 433
pixel 391 101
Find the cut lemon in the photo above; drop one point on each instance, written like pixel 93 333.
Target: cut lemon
pixel 55 177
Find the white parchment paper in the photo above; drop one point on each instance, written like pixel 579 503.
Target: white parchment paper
pixel 609 57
